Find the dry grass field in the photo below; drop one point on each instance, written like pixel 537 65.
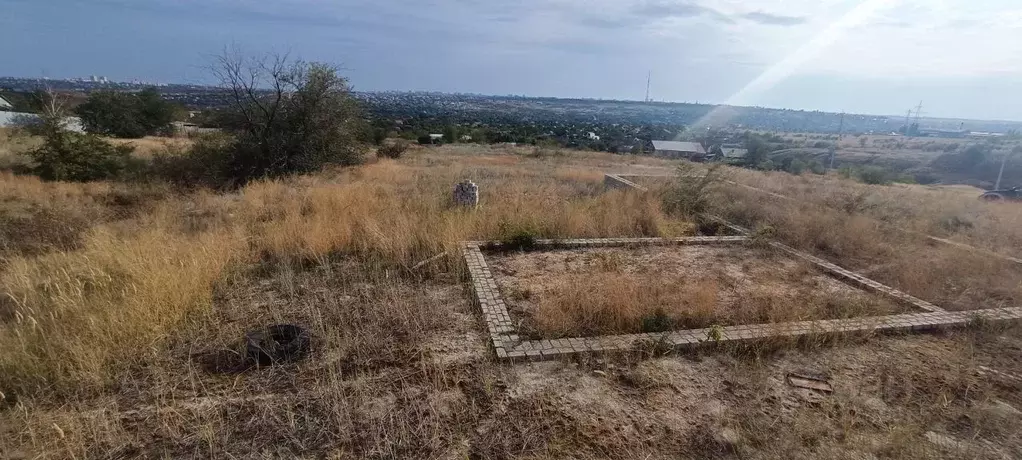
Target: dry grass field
pixel 572 293
pixel 124 306
pixel 859 226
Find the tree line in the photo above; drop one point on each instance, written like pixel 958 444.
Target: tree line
pixel 284 116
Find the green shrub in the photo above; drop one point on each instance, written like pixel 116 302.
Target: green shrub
pixel 310 120
pixel 924 176
pixel 518 236
pixel 874 175
pixel 126 115
pixel 70 156
pixel 796 167
pixel 392 150
pixel 659 321
pixel 205 163
pixel 690 194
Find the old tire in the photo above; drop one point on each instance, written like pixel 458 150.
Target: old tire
pixel 281 343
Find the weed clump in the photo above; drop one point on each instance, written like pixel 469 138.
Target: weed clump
pixel 691 193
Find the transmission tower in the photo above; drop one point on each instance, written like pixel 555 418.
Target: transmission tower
pixel 919 111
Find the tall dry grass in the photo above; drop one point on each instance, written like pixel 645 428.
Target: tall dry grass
pixel 402 214
pixel 149 146
pixel 37 217
pixel 953 212
pixel 14 144
pixel 399 368
pixel 848 223
pixel 620 294
pixel 78 319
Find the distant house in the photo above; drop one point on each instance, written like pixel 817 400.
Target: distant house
pixel 676 149
pixel 731 154
pixel 436 137
pixel 593 137
pixel 183 128
pixel 4 105
pixel 984 135
pixel 948 133
pixel 18 119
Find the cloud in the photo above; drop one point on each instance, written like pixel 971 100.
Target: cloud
pixel 696 49
pixel 658 11
pixel 764 18
pixel 666 9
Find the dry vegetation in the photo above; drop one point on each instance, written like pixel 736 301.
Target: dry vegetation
pixel 858 226
pixel 124 306
pixel 571 293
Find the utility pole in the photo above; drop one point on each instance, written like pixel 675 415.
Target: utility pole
pixel 649 76
pixel 997 186
pixel 841 126
pixel 908 116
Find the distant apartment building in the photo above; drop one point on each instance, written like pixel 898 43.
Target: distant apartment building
pixel 678 149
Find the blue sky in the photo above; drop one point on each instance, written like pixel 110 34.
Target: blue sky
pixel 962 58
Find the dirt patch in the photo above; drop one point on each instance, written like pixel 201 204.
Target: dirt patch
pixel 588 292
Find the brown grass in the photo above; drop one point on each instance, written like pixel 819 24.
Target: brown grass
pixel 952 212
pixel 130 283
pixel 148 146
pixel 13 146
pixel 619 291
pixel 848 223
pixel 113 346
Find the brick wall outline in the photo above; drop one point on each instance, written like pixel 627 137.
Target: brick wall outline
pixel 509 346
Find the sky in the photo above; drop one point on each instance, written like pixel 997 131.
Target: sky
pixel 961 58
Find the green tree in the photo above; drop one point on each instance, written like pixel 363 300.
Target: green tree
pixel 758 150
pixel 450 134
pixel 155 113
pixel 71 156
pixel 126 115
pixel 875 175
pixel 288 117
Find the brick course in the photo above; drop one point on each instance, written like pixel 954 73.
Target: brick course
pixel 508 346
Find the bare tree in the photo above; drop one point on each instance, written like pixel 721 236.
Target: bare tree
pixel 53 115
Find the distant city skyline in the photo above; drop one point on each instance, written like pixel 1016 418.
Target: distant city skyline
pixel 89 79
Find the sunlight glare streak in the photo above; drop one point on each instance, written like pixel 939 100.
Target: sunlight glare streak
pixel 793 61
